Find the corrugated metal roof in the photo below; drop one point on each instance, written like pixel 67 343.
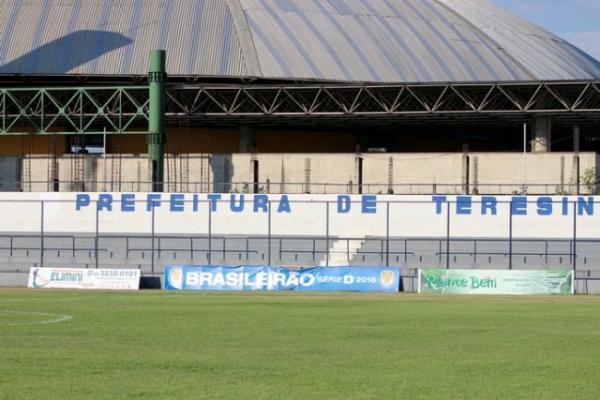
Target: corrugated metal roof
pixel 545 55
pixel 114 37
pixel 330 40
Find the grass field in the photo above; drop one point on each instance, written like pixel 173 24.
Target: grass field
pixel 152 344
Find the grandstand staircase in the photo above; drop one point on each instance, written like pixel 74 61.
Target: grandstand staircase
pixel 342 252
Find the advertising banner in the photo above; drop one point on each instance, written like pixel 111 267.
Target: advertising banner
pixel 457 281
pixel 73 278
pixel 251 278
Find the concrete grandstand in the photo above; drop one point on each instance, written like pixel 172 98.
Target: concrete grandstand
pixel 299 96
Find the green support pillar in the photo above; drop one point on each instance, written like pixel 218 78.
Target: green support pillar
pixel 156 137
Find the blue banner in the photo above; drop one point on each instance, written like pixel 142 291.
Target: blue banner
pixel 251 278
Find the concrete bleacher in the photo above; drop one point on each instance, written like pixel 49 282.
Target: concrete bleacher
pixel 18 253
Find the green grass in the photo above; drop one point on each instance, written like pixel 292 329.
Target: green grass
pixel 296 346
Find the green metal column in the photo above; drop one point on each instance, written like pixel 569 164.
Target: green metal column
pixel 156 137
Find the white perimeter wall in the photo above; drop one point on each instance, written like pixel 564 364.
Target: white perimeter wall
pixel 309 215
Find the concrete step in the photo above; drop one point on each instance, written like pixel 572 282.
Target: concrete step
pixel 342 252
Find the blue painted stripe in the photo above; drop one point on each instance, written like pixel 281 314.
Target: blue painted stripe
pixel 132 31
pixel 432 51
pixel 459 57
pixel 366 63
pixel 9 30
pixel 295 42
pixel 272 49
pixel 40 28
pixel 192 54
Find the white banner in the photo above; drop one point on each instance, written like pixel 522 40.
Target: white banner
pixel 502 282
pixel 73 278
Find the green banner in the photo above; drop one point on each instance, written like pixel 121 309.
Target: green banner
pixel 469 281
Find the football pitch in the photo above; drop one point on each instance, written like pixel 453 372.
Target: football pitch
pixel 162 345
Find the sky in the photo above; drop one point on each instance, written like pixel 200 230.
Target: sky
pixel 578 21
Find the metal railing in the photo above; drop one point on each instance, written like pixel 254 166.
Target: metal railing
pixel 316 248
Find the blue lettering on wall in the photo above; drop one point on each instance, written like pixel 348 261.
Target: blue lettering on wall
pixel 369 204
pixel 518 205
pixel 177 203
pixel 489 204
pixel 195 202
pixel 284 205
pixel 344 203
pixel 82 200
pixel 152 200
pixel 213 198
pixel 544 206
pixel 128 202
pixel 105 202
pixel 439 201
pixel 261 202
pixel 463 205
pixel 565 206
pixel 237 207
pixel 585 206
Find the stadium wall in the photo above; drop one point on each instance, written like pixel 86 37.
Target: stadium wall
pixel 348 216
pixel 398 173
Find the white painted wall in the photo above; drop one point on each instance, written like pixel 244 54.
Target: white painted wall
pixel 311 215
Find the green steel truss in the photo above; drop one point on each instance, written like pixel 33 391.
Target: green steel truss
pixel 74 110
pixel 126 109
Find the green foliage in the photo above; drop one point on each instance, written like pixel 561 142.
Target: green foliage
pixel 589 179
pixel 560 190
pixel 247 189
pixel 158 345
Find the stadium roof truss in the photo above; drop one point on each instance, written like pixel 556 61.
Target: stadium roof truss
pixel 73 110
pixel 124 109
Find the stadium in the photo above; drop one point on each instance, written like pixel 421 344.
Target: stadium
pixel 430 147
